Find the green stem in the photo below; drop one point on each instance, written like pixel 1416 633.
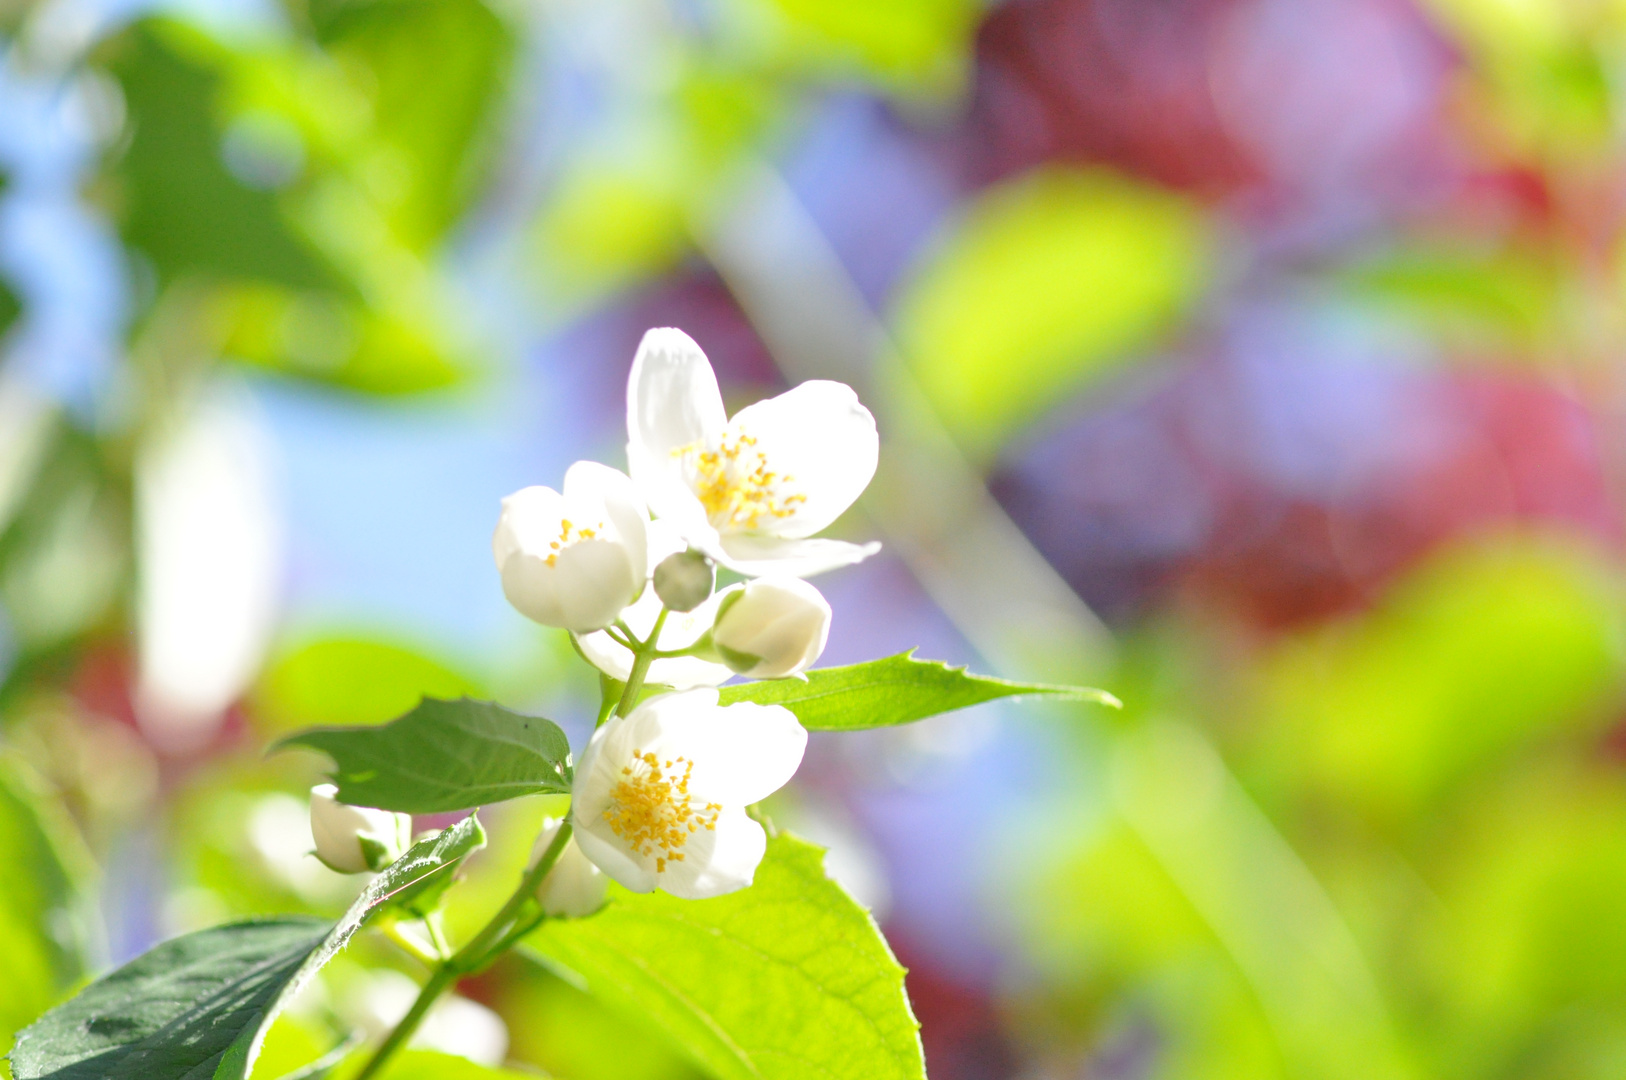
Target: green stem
pixel 640 666
pixel 471 957
pixel 410 945
pixel 443 977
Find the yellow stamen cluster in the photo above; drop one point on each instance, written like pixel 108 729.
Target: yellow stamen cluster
pixel 651 810
pixel 570 534
pixel 735 485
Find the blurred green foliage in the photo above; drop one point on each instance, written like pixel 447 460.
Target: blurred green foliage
pixel 1391 850
pixel 1050 282
pixel 42 927
pixel 341 681
pixel 305 185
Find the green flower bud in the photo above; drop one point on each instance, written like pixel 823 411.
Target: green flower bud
pixel 684 581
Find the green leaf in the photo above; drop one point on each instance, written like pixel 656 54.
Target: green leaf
pixel 426 868
pixel 444 755
pixel 173 1011
pixel 896 690
pixel 785 980
pixel 198 1006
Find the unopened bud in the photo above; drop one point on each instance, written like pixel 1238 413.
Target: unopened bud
pixel 354 839
pixel 574 887
pixel 684 581
pixel 771 627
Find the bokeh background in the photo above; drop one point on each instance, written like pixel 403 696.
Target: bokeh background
pixel 1263 361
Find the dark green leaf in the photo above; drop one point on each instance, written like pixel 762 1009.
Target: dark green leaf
pixel 198 1006
pixel 896 690
pixel 172 1012
pixel 788 979
pixel 444 755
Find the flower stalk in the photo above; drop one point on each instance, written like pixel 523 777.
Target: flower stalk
pixel 511 923
pixel 643 655
pixel 495 938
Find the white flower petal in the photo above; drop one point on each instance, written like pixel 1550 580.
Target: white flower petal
pixel 757 556
pixel 672 401
pixel 529 522
pixel 600 844
pixel 743 752
pixel 593 582
pixel 648 728
pixel 718 860
pixel 598 486
pixel 823 441
pixel 672 394
pixel 781 621
pixel 532 586
pixel 730 756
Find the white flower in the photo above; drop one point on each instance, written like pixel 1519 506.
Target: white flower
pixel 681 630
pixel 660 794
pixel 575 559
pixel 353 839
pixel 574 887
pixel 771 627
pixel 749 491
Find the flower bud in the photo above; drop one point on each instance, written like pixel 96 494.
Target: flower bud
pixel 354 839
pixel 574 887
pixel 573 559
pixel 771 627
pixel 684 581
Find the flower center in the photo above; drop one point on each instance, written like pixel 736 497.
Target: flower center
pixel 734 483
pixel 651 810
pixel 570 534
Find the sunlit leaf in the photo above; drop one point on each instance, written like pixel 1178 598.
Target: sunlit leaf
pixel 566 1031
pixel 444 755
pixel 787 979
pixel 430 1065
pixel 896 690
pixel 1048 283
